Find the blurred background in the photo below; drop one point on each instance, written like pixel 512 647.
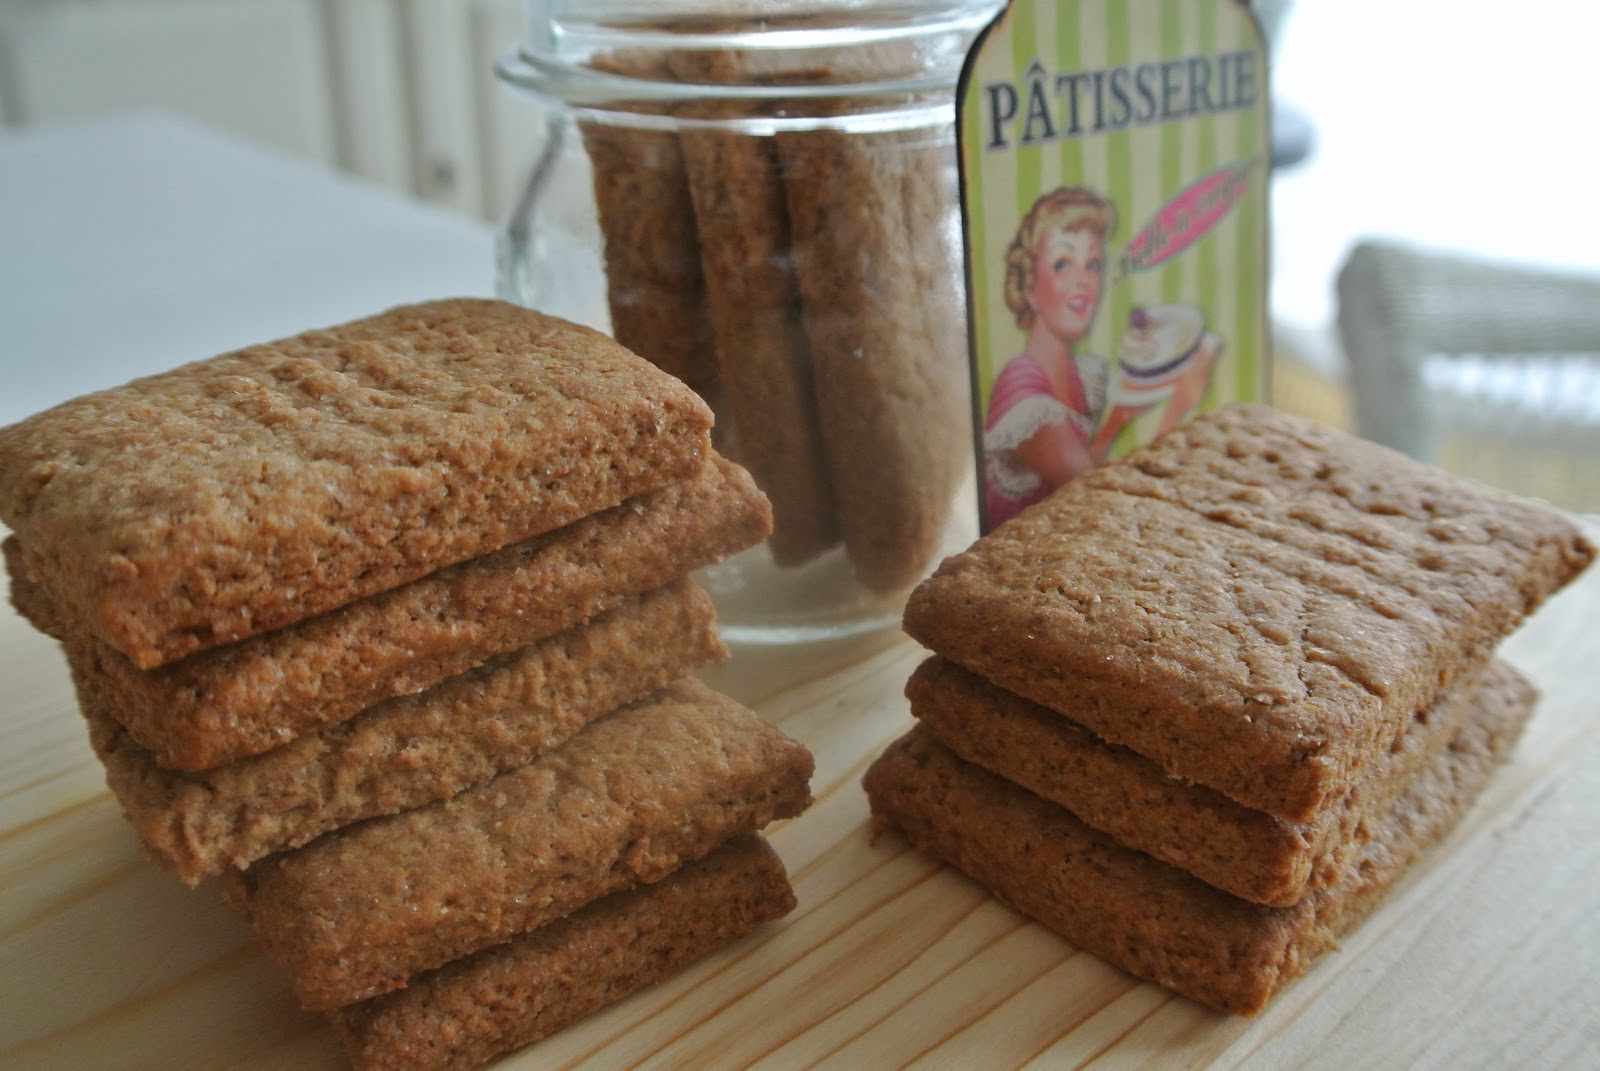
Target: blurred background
pixel 1435 260
pixel 398 91
pixel 1436 273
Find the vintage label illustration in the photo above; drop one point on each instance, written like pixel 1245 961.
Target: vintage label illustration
pixel 1114 158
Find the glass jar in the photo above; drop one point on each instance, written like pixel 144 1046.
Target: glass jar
pixel 761 199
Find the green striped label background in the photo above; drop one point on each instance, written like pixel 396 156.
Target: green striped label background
pixel 1140 168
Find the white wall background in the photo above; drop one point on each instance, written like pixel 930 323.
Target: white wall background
pixel 398 91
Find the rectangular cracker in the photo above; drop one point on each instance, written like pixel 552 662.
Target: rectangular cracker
pixel 1143 916
pixel 1247 853
pixel 1253 601
pixel 30 603
pixel 223 705
pixel 872 222
pixel 737 186
pixel 243 493
pixel 654 284
pixel 467 1012
pixel 761 345
pixel 408 751
pixel 628 799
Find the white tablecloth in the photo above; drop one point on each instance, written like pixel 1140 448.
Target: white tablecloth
pixel 133 244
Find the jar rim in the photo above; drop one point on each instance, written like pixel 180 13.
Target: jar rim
pixel 789 54
pixel 580 85
pixel 792 27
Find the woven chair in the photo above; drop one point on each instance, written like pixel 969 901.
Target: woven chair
pixel 1489 369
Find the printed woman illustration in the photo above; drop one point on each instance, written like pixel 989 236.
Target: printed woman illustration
pixel 1047 399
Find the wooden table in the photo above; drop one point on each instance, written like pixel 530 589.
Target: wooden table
pixel 1488 954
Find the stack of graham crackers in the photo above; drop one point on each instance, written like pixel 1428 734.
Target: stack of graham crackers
pixel 389 626
pixel 1200 709
pixel 806 283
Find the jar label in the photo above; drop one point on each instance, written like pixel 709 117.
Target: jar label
pixel 1115 165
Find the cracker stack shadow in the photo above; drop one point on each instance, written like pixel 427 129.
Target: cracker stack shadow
pixel 487 770
pixel 1199 710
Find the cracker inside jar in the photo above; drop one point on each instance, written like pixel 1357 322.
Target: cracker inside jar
pixel 812 239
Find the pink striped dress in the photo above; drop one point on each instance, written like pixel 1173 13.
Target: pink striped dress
pixel 1021 402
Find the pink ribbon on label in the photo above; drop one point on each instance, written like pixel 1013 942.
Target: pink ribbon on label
pixel 1187 218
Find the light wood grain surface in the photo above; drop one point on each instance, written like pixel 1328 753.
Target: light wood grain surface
pixel 1487 955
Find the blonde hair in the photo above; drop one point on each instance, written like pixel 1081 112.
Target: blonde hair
pixel 1068 208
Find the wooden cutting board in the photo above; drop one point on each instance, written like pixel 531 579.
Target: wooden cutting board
pixel 1487 955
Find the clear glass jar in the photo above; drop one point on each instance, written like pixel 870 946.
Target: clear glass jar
pixel 761 199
